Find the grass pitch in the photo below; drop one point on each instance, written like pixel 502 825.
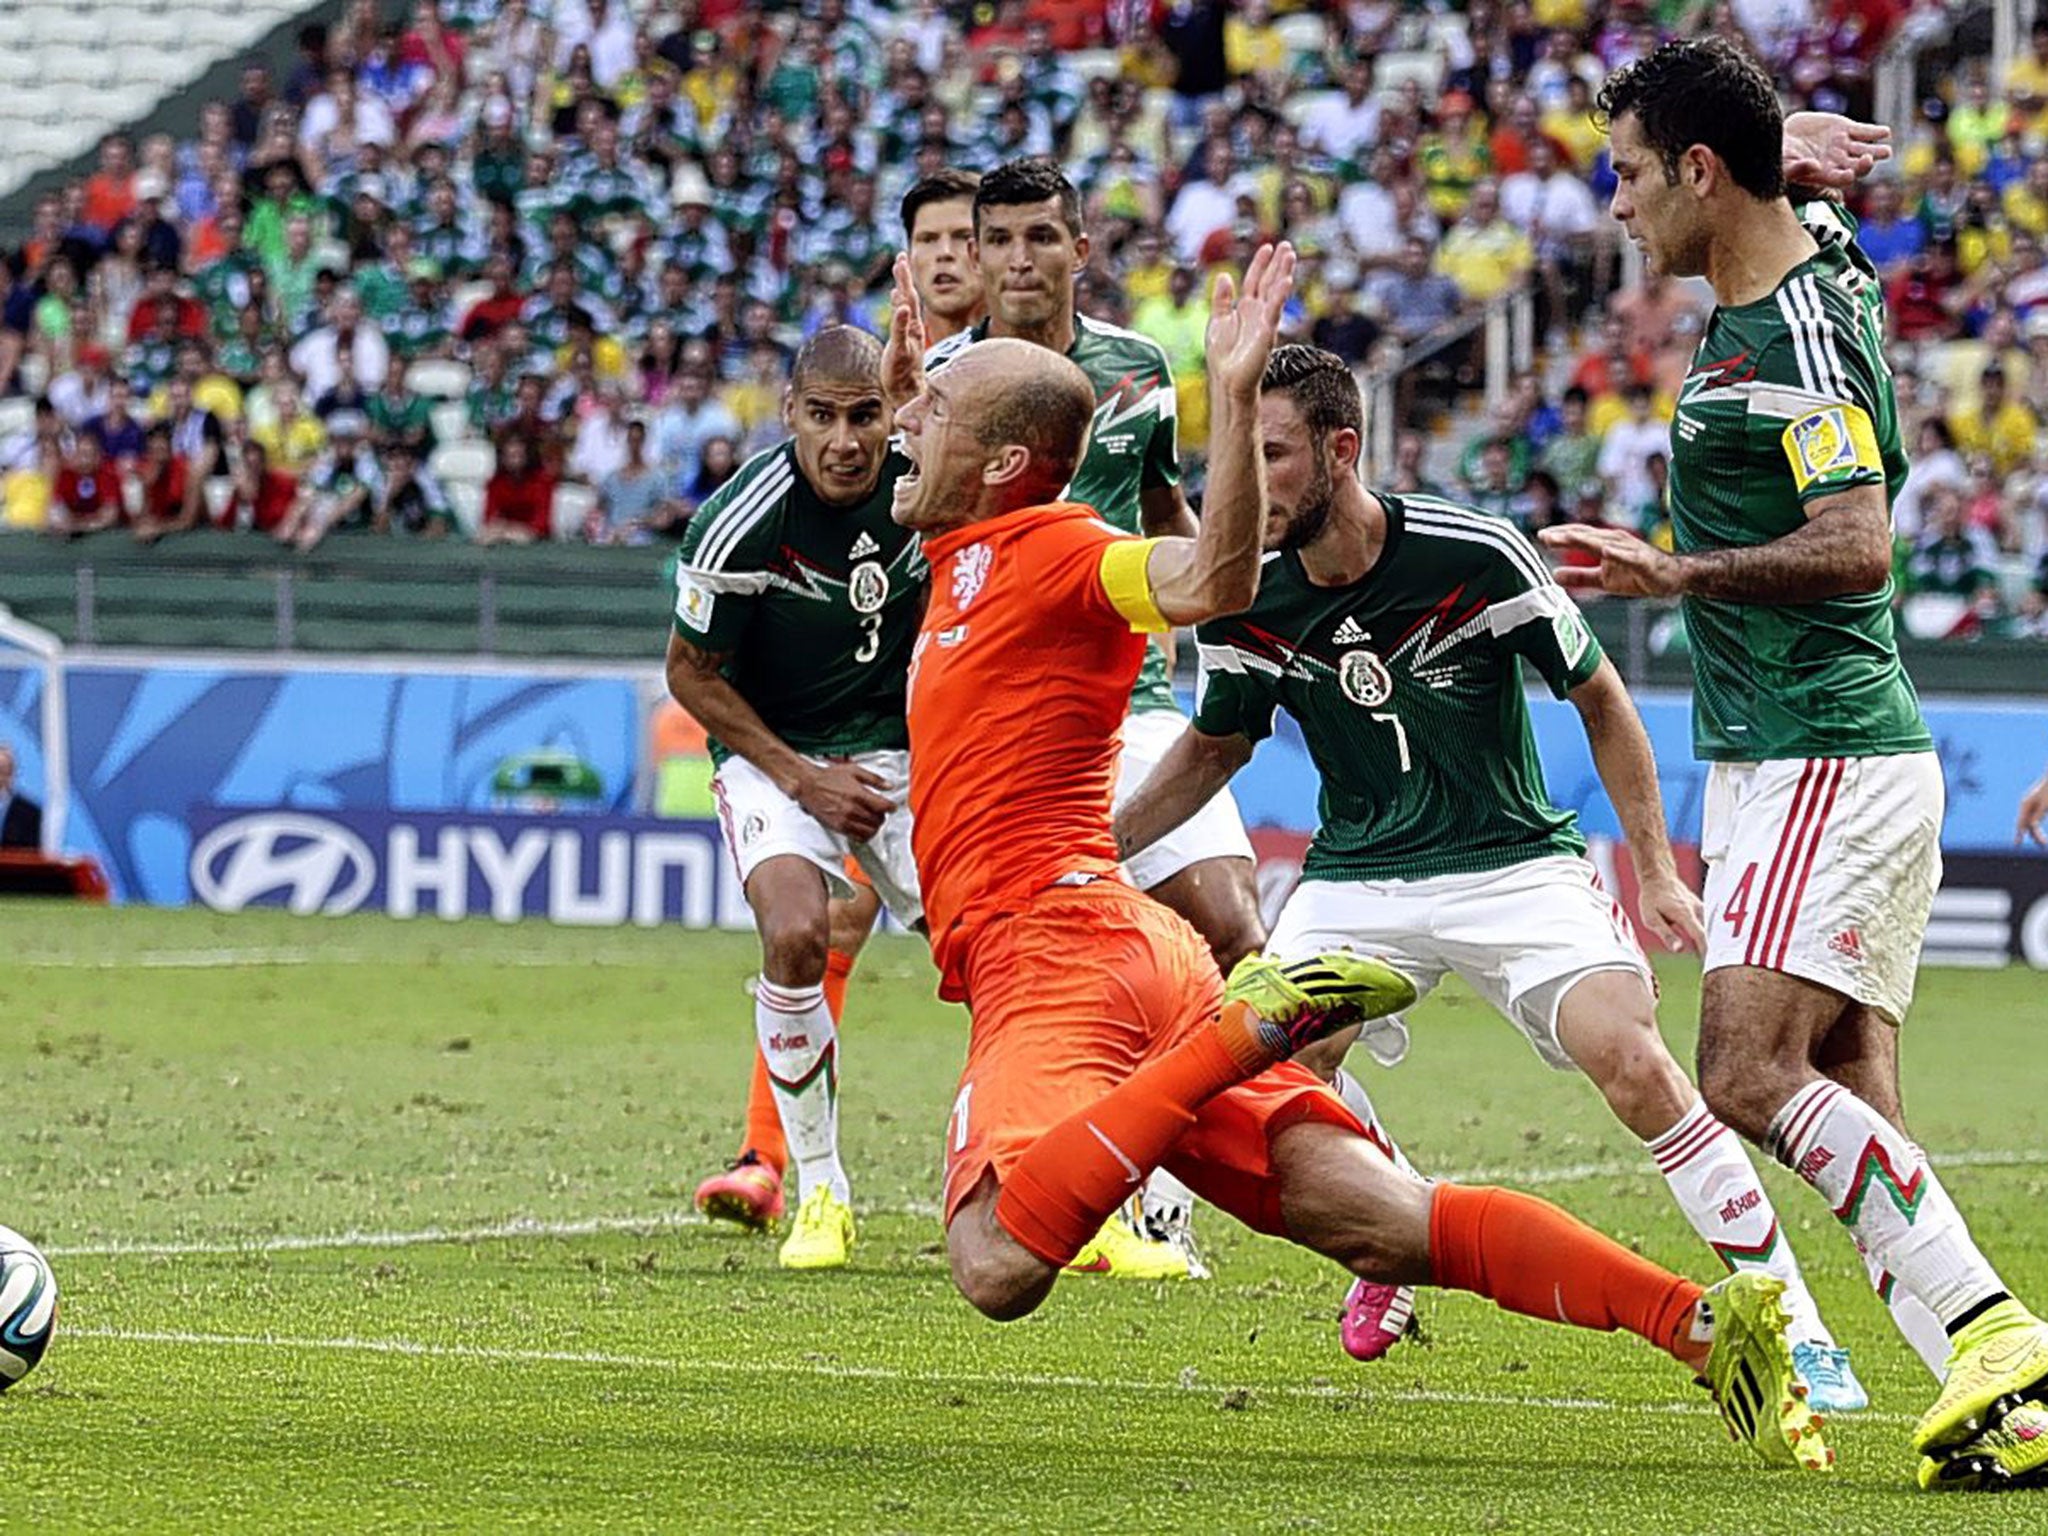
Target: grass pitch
pixel 367 1225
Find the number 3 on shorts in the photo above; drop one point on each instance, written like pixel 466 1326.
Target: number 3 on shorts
pixel 1736 912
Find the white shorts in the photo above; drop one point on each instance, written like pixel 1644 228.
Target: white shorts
pixel 761 822
pixel 1216 831
pixel 1521 937
pixel 1825 868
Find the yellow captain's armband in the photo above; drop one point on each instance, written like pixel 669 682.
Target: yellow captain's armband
pixel 1128 588
pixel 1833 446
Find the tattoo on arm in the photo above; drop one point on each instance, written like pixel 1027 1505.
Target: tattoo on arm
pixel 1840 550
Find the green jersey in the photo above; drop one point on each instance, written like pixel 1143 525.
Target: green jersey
pixel 1408 693
pixel 1789 399
pixel 1132 443
pixel 815 607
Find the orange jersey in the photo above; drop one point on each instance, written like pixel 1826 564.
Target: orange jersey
pixel 1031 641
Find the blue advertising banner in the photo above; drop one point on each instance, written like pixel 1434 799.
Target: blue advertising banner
pixel 579 870
pixel 149 742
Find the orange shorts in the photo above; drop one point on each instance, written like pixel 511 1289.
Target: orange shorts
pixel 1068 998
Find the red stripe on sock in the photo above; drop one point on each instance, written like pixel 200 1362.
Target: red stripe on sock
pixel 1803 1120
pixel 1714 1133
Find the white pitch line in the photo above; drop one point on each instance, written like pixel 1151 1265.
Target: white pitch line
pixel 517 1227
pixel 415 1349
pixel 231 959
pixel 525 1227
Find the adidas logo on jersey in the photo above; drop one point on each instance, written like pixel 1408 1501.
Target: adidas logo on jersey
pixel 1848 944
pixel 863 546
pixel 1349 633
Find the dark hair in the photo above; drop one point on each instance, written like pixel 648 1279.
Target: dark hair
pixel 942 186
pixel 1321 386
pixel 1575 394
pixel 1709 92
pixel 1032 179
pixel 840 354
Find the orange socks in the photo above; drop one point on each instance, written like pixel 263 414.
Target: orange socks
pixel 1528 1256
pixel 838 971
pixel 1077 1173
pixel 764 1122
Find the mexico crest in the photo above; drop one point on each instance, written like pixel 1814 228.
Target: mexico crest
pixel 1364 679
pixel 868 588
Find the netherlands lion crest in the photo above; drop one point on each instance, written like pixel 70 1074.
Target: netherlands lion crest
pixel 868 588
pixel 1364 679
pixel 970 570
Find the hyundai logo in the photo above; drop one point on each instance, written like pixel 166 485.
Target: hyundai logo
pixel 317 865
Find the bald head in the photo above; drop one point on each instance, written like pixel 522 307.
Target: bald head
pixel 838 354
pixel 1017 392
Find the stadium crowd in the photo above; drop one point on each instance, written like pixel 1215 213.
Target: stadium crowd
pixel 462 256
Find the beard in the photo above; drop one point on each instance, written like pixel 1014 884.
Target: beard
pixel 1312 512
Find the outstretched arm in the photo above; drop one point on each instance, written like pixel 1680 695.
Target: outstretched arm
pixel 1628 770
pixel 1844 547
pixel 1187 778
pixel 1217 571
pixel 1831 153
pixel 903 352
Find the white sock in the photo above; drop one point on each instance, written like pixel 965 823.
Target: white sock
pixel 1880 1187
pixel 1716 1185
pixel 1355 1098
pixel 1923 1330
pixel 802 1049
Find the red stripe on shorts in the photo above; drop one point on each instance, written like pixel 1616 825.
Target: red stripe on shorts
pixel 1766 920
pixel 1838 768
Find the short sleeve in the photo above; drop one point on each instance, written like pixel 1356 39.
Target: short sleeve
pixel 1162 448
pixel 721 568
pixel 1534 618
pixel 1084 566
pixel 1819 379
pixel 1235 692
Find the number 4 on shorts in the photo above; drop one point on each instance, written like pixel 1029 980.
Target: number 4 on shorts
pixel 1736 913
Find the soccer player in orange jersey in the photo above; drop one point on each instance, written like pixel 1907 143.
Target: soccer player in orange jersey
pixel 1103 1043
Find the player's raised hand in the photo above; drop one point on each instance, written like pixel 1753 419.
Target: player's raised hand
pixel 1825 149
pixel 903 353
pixel 847 798
pixel 1244 324
pixel 2034 814
pixel 1628 566
pixel 1671 911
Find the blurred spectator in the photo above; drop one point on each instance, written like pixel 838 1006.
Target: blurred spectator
pixel 628 497
pixel 1411 299
pixel 120 434
pixel 318 358
pixel 691 418
pixel 87 498
pixel 411 501
pixel 1179 321
pixel 519 499
pixel 164 507
pixel 261 497
pixel 1344 125
pixel 1572 456
pixel 1994 424
pixel 339 489
pixel 1483 253
pixel 1627 448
